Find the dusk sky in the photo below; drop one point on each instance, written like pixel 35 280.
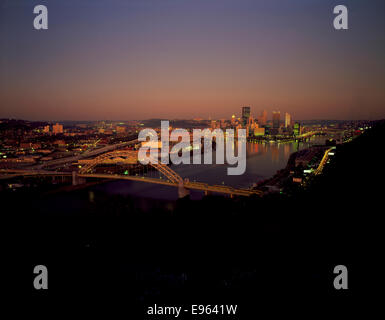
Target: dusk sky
pixel 139 59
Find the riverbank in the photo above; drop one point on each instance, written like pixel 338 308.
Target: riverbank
pixel 298 164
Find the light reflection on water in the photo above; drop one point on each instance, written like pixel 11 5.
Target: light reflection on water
pixel 262 162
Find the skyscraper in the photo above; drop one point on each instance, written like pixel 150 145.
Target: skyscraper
pixel 262 119
pixel 297 129
pixel 276 119
pixel 245 115
pixel 287 120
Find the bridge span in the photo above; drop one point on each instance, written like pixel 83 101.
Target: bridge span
pixel 170 177
pixel 86 154
pixel 189 185
pixel 186 184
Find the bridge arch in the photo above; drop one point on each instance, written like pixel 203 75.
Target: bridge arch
pixel 130 156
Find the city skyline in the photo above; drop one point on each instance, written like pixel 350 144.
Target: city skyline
pixel 185 59
pixel 186 158
pixel 235 115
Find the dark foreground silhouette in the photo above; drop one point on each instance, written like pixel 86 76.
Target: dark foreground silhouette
pixel 275 254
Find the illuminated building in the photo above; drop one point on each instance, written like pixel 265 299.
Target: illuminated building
pixel 120 129
pixel 57 128
pixel 245 115
pixel 60 143
pixel 46 129
pixel 259 132
pixel 287 120
pixel 262 119
pixel 276 119
pixel 25 145
pixel 233 120
pixel 297 129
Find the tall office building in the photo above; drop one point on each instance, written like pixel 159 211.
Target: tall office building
pixel 262 119
pixel 287 120
pixel 276 119
pixel 245 115
pixel 297 129
pixel 57 128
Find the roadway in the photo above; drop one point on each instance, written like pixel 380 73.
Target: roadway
pixel 85 154
pixel 323 161
pixel 188 185
pixel 11 173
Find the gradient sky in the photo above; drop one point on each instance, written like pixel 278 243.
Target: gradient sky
pixel 139 59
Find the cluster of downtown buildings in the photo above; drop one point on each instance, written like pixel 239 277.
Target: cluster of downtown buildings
pixel 261 125
pixel 28 143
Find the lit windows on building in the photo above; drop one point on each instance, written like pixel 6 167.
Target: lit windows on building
pixel 276 119
pixel 57 128
pixel 245 115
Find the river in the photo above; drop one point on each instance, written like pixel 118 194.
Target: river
pixel 263 161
